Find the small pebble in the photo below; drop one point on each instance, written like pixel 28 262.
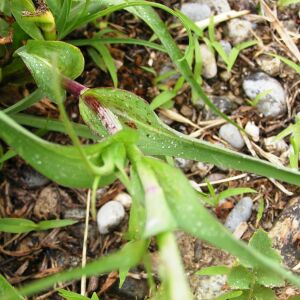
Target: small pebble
pixel 183 164
pixel 215 177
pixel 270 65
pixel 109 216
pixel 240 213
pixel 134 289
pixel 226 47
pixel 166 69
pixel 239 30
pixel 277 147
pixel 209 65
pixel 74 213
pixel 252 130
pixel 223 104
pixel 195 11
pixel 217 6
pixel 125 199
pixel 273 103
pixel 201 168
pixel 231 135
pixel 30 178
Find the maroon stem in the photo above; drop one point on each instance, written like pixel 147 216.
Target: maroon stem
pixel 73 87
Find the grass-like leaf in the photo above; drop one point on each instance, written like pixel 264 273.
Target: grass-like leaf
pixel 18 225
pixel 155 138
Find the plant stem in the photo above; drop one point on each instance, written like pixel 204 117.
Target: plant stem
pixel 73 87
pixel 173 272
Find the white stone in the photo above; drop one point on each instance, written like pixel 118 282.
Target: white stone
pixel 252 130
pixel 125 199
pixel 195 11
pixel 273 103
pixel 109 216
pixel 239 30
pixel 209 65
pixel 231 135
pixel 240 213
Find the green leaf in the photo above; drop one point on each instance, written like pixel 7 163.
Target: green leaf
pixel 162 98
pixel 287 61
pixel 229 295
pixel 155 138
pixel 62 164
pixel 24 103
pixel 160 29
pixel 158 216
pixel 128 257
pixel 39 55
pixel 263 244
pixel 18 225
pixel 263 293
pixel 233 192
pixel 214 270
pixel 127 40
pixel 260 210
pixel 240 278
pixel 6 289
pixel 68 295
pixel 108 60
pixel 17 8
pixel 193 218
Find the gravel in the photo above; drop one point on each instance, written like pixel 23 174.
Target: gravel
pixel 239 30
pixel 124 199
pixel 231 135
pixel 240 213
pixel 252 130
pixel 196 11
pixel 273 103
pixel 109 216
pixel 209 64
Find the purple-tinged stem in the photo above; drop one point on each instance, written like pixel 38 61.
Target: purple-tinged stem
pixel 73 87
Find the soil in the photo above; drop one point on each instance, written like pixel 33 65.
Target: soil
pixel 26 194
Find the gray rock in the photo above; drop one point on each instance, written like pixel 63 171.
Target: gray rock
pixel 74 213
pixel 166 69
pixel 240 213
pixel 196 11
pixel 184 164
pixel 215 177
pixel 239 30
pixel 218 6
pixel 231 135
pixel 285 232
pixel 223 103
pixel 31 178
pixel 270 65
pixel 109 216
pixel 134 289
pixel 226 47
pixel 209 64
pixel 273 103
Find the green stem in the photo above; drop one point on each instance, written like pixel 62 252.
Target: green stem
pixel 173 271
pixel 93 198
